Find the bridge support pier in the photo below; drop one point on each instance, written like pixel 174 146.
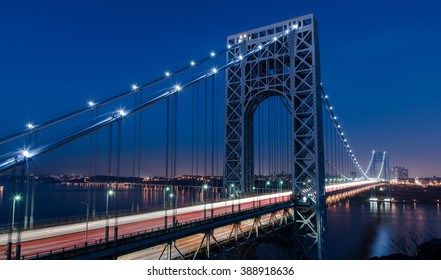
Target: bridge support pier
pixel 207 237
pixel 236 228
pixel 285 216
pixel 169 246
pixel 255 227
pixel 273 219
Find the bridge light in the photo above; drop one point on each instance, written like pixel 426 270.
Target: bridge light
pixel 260 47
pixel 326 96
pixel 91 104
pixel 122 113
pixel 212 54
pixel 240 41
pixel 17 197
pixel 214 70
pixel 134 86
pixel 294 26
pixel 30 126
pixel 268 183
pixel 342 134
pixel 110 192
pixel 228 46
pixel 240 57
pixel 275 39
pixel 178 88
pixel 331 108
pixel 338 126
pixel 335 117
pixel 205 186
pixel 286 31
pixel 167 74
pixel 192 63
pixel 171 195
pixel 345 140
pixel 26 153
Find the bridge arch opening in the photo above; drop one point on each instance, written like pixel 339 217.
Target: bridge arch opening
pixel 269 134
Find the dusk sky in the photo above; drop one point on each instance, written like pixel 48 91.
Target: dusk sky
pixel 380 61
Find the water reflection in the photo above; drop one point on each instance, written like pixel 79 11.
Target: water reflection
pixel 366 228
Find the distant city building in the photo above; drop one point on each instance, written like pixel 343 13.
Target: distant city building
pixel 380 166
pixel 399 172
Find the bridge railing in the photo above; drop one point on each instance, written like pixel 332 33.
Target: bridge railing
pixel 120 213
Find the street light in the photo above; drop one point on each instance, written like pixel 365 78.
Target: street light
pixel 204 187
pixel 87 219
pixel 171 207
pixel 16 198
pixel 232 197
pixel 165 208
pixel 109 193
pixel 9 245
pixel 280 187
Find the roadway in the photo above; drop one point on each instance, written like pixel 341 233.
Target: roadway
pixel 56 238
pixel 68 236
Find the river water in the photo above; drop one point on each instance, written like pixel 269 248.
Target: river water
pixel 357 229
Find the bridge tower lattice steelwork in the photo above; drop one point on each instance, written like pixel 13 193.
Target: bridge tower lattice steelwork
pixel 288 68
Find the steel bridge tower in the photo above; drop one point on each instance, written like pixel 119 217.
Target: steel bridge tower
pixel 288 68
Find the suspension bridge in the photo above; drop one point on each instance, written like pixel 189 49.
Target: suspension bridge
pixel 251 123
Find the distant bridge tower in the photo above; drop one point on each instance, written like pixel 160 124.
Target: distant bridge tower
pixel 290 69
pixel 380 166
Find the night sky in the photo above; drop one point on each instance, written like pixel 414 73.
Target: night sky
pixel 380 61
